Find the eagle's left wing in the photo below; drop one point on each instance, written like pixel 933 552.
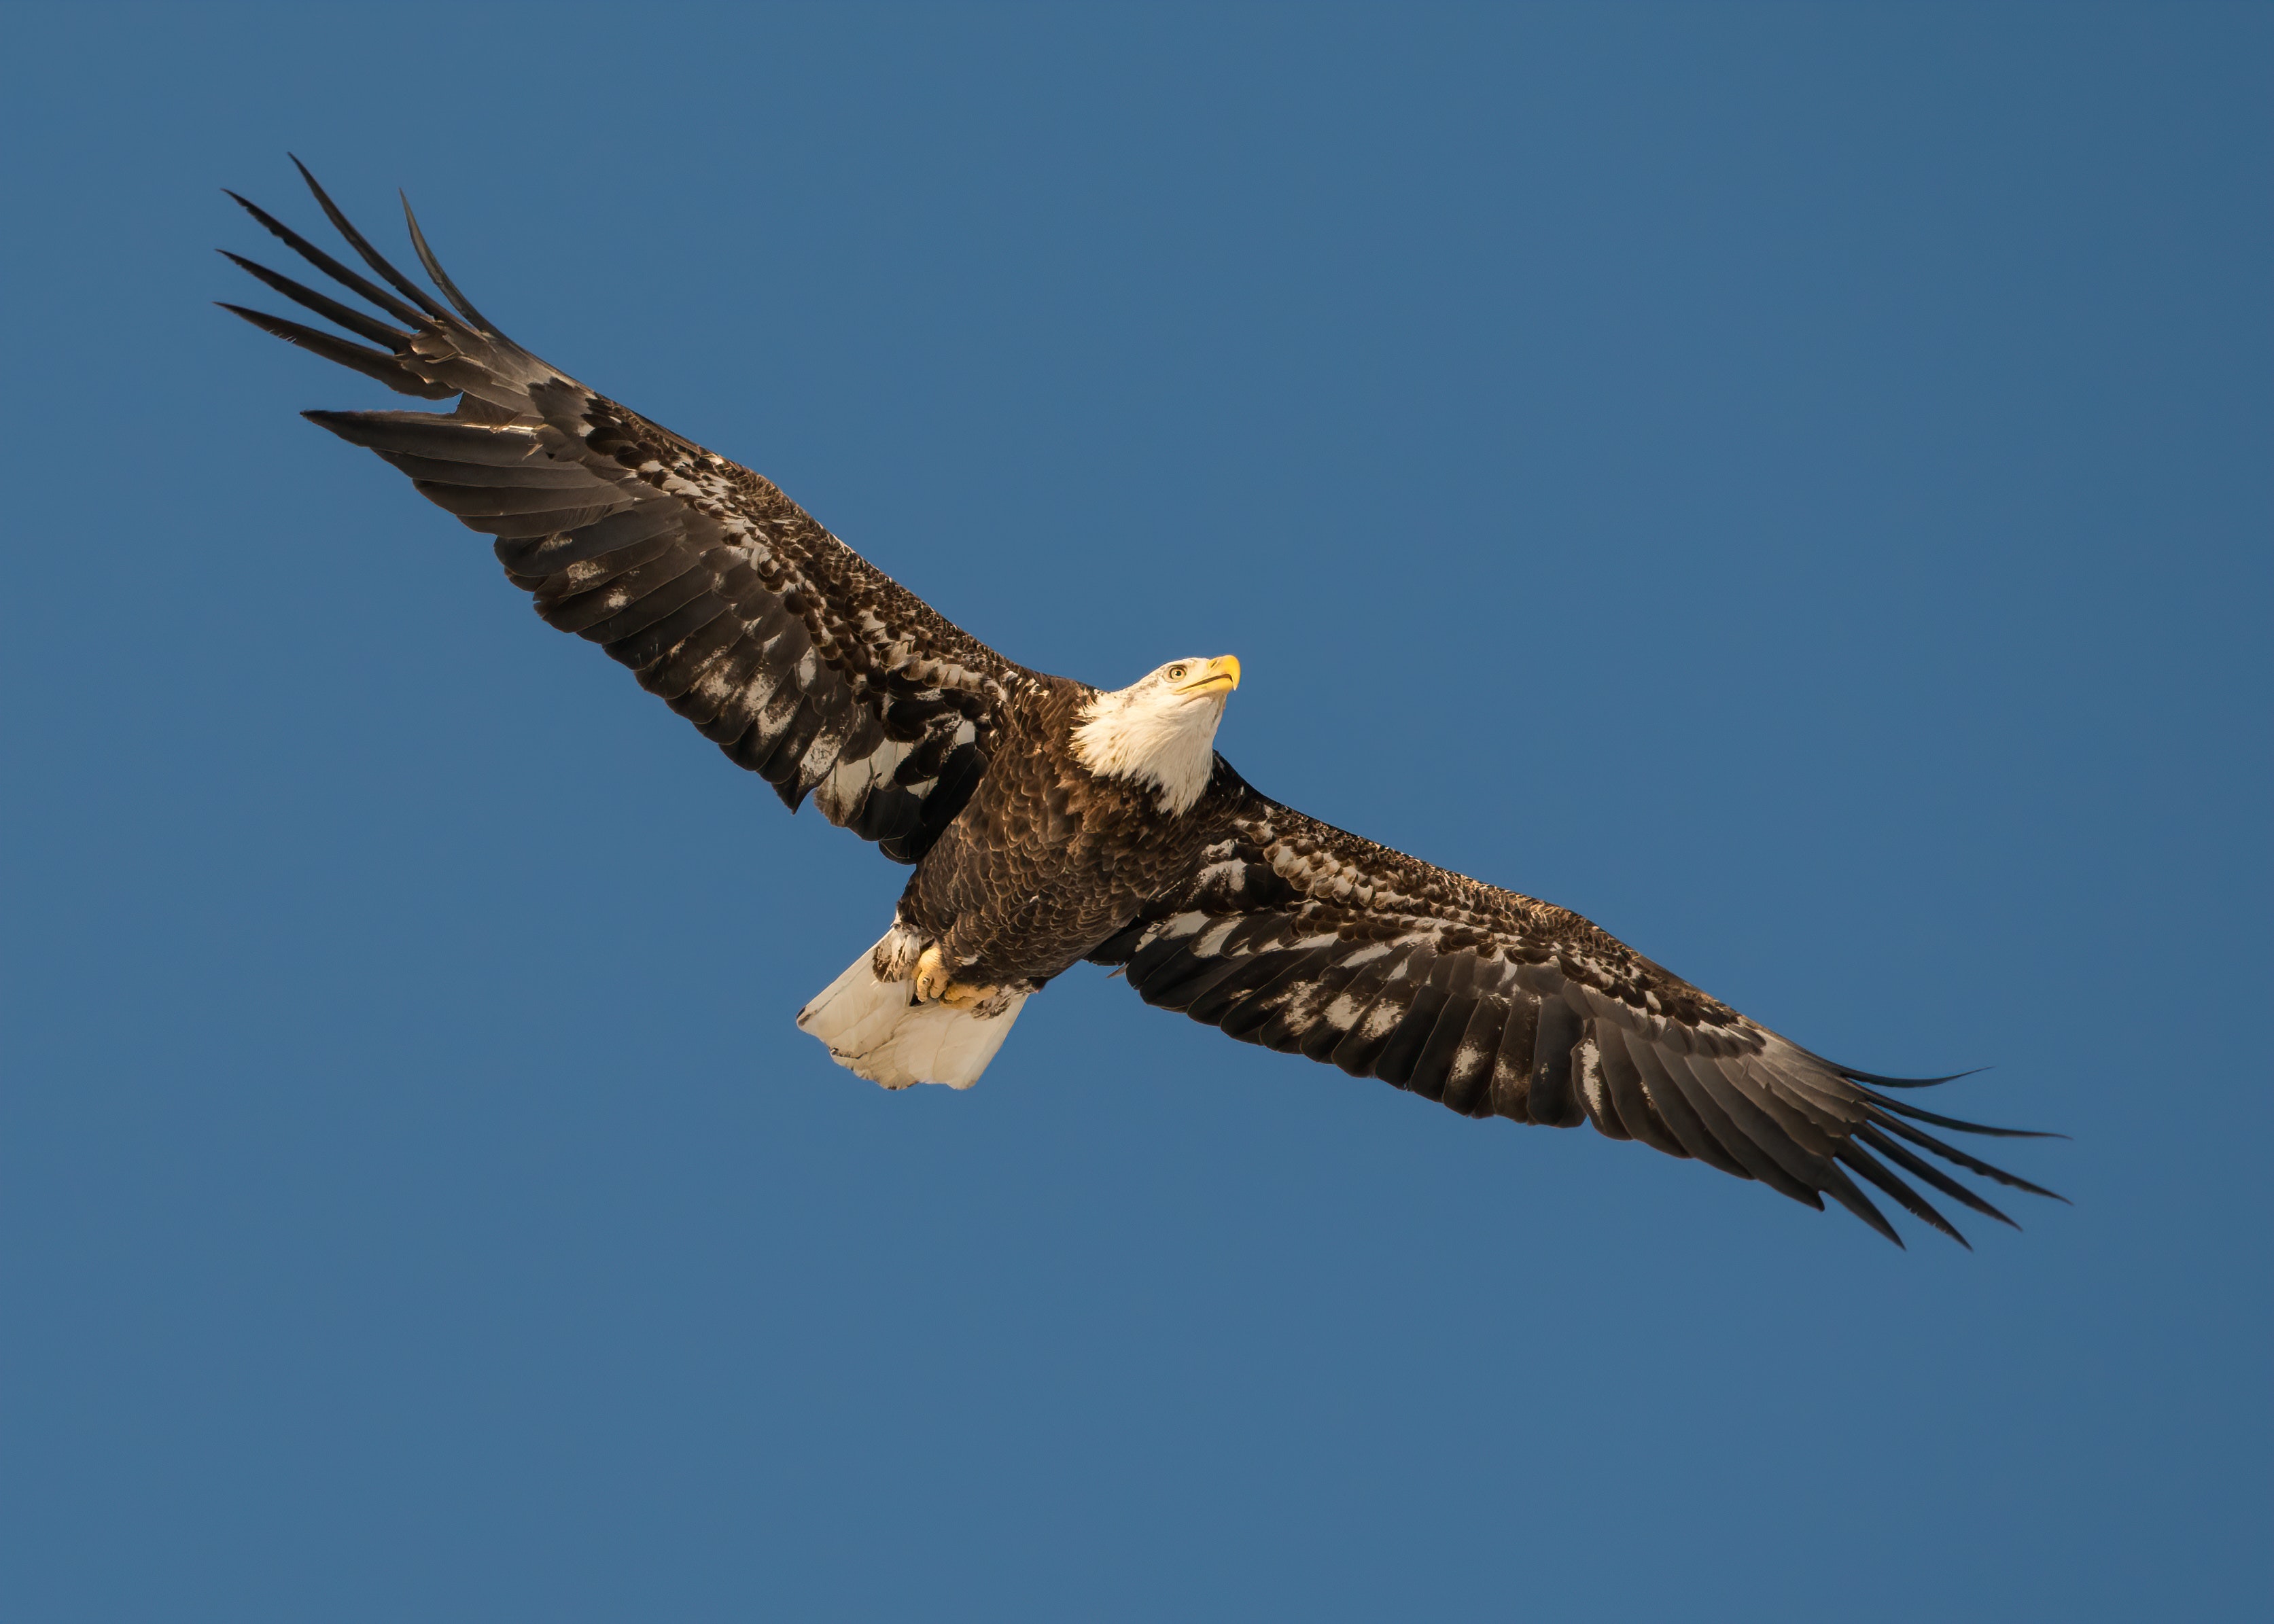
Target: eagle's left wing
pixel 1310 941
pixel 798 657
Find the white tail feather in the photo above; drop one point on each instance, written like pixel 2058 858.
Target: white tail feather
pixel 874 1031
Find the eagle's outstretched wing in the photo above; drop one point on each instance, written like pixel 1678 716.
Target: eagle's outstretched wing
pixel 794 654
pixel 1310 941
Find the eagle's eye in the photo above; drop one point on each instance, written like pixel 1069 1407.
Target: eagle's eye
pixel 1175 674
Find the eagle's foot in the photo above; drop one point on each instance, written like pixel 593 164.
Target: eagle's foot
pixel 936 984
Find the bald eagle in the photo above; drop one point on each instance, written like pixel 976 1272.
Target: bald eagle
pixel 1050 823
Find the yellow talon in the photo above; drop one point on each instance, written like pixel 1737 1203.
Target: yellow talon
pixel 936 985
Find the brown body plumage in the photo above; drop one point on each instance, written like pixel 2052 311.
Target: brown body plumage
pixel 1048 860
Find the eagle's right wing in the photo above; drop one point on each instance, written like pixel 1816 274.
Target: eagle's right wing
pixel 795 655
pixel 1299 936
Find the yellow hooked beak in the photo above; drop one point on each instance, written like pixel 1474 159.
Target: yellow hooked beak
pixel 1220 675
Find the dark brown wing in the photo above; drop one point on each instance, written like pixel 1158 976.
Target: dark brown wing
pixel 1310 941
pixel 795 656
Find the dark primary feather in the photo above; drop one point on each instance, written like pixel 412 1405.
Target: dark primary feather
pixel 325 263
pixel 354 320
pixel 434 266
pixel 1305 939
pixel 370 256
pixel 371 363
pixel 801 660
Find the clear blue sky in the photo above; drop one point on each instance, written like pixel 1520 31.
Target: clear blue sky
pixel 1794 484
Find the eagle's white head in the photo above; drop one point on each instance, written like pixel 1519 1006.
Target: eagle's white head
pixel 1161 729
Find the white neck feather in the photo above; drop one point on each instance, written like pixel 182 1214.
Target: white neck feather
pixel 1152 736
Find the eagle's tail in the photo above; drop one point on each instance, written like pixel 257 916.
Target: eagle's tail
pixel 877 1027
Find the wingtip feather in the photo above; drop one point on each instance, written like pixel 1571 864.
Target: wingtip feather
pixel 1855 1157
pixel 1919 1166
pixel 326 263
pixel 354 320
pixel 375 364
pixel 434 269
pixel 1972 1164
pixel 1842 1189
pixel 1855 1076
pixel 372 256
pixel 1904 1108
